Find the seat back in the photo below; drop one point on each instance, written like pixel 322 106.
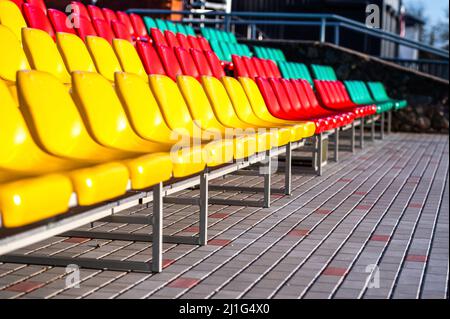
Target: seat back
pixel 161 25
pixel 121 31
pixel 149 24
pixel 102 53
pixel 95 12
pixel 43 54
pixel 129 58
pixel 215 65
pixel 85 27
pixel 255 98
pixel 183 41
pixel 109 15
pixel 259 67
pixel 204 44
pixel 270 98
pixel 239 99
pixel 187 62
pixel 252 71
pixel 38 4
pixel 11 17
pixel 284 99
pixel 138 25
pixel 36 18
pixel 74 53
pixel 60 21
pixel 171 26
pixel 12 56
pixel 240 67
pixel 150 58
pixel 201 62
pixel 103 29
pixel 158 37
pixel 194 42
pixel 80 9
pixel 124 18
pixel 171 39
pixel 169 60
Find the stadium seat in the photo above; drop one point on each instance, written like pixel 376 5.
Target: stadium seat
pixel 161 25
pixel 95 12
pixel 215 65
pixel 194 42
pixel 183 41
pixel 360 94
pixel 380 95
pixel 12 56
pixel 149 24
pixel 169 61
pixel 74 53
pixel 140 29
pixel 109 15
pixel 103 29
pixel 12 18
pixel 37 19
pixel 38 4
pixel 129 58
pixel 158 37
pixel 187 63
pixel 85 28
pixel 121 31
pixel 124 18
pixel 80 9
pixel 323 72
pixel 150 58
pixel 105 59
pixel 202 64
pixel 59 21
pixel 171 39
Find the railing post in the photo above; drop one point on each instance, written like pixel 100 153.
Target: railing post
pixel 253 36
pixel 337 33
pixel 323 30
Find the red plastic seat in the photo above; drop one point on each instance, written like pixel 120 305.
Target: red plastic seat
pixel 214 64
pixel 80 9
pixel 275 70
pixel 194 41
pixel 121 31
pixel 251 68
pixel 38 4
pixel 109 15
pixel 58 20
pixel 171 39
pixel 169 61
pixel 201 62
pixel 150 58
pixel 140 29
pixel 85 28
pixel 37 19
pixel 158 37
pixel 183 41
pixel 204 43
pixel 95 12
pixel 103 29
pixel 187 62
pixel 260 68
pixel 268 68
pixel 240 67
pixel 19 3
pixel 125 19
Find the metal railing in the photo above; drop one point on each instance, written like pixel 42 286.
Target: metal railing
pixel 437 68
pixel 323 22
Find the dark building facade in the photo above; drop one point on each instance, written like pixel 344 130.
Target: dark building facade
pixel 352 9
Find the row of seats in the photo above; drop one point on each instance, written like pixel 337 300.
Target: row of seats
pixel 269 53
pixel 165 25
pixel 218 35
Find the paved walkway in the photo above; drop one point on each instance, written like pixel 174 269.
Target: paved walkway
pixel 375 225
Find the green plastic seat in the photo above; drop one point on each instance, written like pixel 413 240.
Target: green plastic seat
pixel 150 23
pixel 189 30
pixel 360 94
pixel 215 45
pixel 380 95
pixel 171 26
pixel 323 72
pixel 180 28
pixel 161 25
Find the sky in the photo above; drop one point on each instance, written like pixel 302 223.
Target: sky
pixel 434 9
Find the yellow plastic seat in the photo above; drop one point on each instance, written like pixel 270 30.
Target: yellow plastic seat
pixel 58 128
pixel 12 59
pixel 245 112
pixel 31 200
pixel 260 109
pixel 11 17
pixel 129 58
pixel 104 57
pixel 171 102
pixel 74 53
pixel 43 54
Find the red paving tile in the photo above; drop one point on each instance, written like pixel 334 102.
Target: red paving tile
pixel 25 286
pixel 334 271
pixel 363 207
pixel 76 240
pixel 184 283
pixel 219 242
pixel 298 233
pixel 384 238
pixel 324 211
pixel 192 229
pixel 416 258
pixel 345 180
pixel 219 215
pixel 360 193
pixel 168 262
pixel 415 205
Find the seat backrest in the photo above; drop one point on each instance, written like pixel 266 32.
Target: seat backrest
pixel 183 41
pixel 80 9
pixel 43 54
pixel 239 99
pixel 36 18
pixel 139 26
pixel 129 58
pixel 11 17
pixel 171 39
pixel 217 48
pixel 161 25
pixel 214 64
pixel 251 69
pixel 204 44
pixel 150 58
pixel 19 3
pixel 282 96
pixel 124 18
pixel 60 21
pixel 38 4
pixel 158 37
pixel 103 29
pixel 95 12
pixel 275 70
pixel 189 30
pixel 193 40
pixel 255 98
pixel 85 27
pixel 270 98
pixel 187 62
pixel 201 62
pixel 169 61
pixel 310 94
pixel 291 95
pixel 323 93
pixel 302 96
pixel 103 55
pixel 259 67
pixel 149 24
pixel 74 53
pixel 141 106
pixel 121 31
pixel 240 67
pixel 109 14
pixel 171 26
pixel 12 56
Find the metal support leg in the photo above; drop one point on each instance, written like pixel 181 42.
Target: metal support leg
pixel 288 170
pixel 157 228
pixel 361 134
pixel 203 231
pixel 319 153
pixel 383 119
pixel 336 145
pixel 389 123
pixel 267 180
pixel 352 139
pixel 372 130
